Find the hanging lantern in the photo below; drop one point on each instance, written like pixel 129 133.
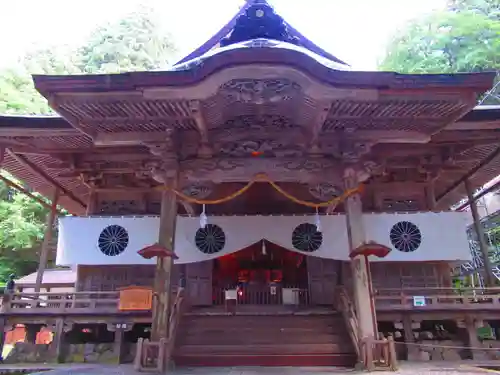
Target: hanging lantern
pixel 203 218
pixel 264 250
pixel 317 221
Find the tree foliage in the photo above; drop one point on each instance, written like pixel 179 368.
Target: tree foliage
pixel 464 38
pixel 134 43
pixel 22 226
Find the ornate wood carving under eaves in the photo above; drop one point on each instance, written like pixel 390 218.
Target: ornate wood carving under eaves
pixel 198 190
pixel 243 169
pixel 324 191
pixel 260 91
pixel 262 147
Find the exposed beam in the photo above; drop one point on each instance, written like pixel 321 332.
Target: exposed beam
pixel 129 138
pixel 479 195
pixel 317 126
pixel 73 120
pixel 469 174
pixel 37 171
pixel 61 153
pixel 204 150
pixel 391 136
pixel 26 192
pixel 38 132
pixel 474 125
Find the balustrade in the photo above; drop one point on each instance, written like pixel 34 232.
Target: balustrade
pixel 264 295
pixel 437 299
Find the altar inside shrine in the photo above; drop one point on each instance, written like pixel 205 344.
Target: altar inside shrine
pixel 263 273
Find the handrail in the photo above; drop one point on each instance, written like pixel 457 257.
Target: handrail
pixel 350 318
pixel 175 317
pixel 379 354
pixel 154 356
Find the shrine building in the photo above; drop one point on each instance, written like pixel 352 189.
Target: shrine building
pixel 258 203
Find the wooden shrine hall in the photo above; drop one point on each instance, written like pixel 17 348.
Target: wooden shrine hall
pixel 259 203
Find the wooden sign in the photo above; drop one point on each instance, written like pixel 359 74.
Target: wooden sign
pixel 136 298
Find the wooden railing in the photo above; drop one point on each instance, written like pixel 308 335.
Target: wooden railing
pixel 437 299
pixel 372 354
pixel 345 306
pixel 378 354
pixel 49 302
pixel 263 295
pixel 91 302
pixel 154 356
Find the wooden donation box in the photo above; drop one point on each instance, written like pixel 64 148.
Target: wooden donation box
pixel 136 298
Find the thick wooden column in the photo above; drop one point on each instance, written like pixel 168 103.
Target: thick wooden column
pixel 483 246
pixel 363 296
pixel 163 274
pixel 3 326
pixel 91 202
pixel 44 252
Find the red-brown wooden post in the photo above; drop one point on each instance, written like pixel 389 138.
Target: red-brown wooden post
pixel 44 252
pixel 162 285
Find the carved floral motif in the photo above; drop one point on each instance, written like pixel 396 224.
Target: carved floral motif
pixel 324 191
pixel 243 169
pixel 198 190
pixel 267 147
pixel 257 91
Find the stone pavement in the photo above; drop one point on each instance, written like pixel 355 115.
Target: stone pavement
pixel 417 368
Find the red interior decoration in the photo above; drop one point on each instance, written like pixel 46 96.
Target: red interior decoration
pixel 156 250
pixel 371 248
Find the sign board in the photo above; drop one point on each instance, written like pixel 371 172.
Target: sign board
pixel 273 290
pixel 486 333
pixel 419 301
pixel 136 298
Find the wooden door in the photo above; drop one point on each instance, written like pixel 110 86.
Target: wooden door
pixel 323 278
pixel 199 283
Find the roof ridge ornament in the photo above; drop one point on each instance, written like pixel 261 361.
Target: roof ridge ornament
pixel 259 21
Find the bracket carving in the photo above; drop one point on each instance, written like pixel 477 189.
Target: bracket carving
pixel 243 169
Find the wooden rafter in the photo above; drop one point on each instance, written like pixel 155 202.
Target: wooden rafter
pixel 19 188
pixel 469 174
pixel 36 170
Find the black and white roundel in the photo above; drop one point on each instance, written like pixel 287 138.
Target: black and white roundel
pixel 405 236
pixel 306 237
pixel 211 239
pixel 113 240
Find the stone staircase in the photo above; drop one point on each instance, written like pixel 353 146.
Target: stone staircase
pixel 263 340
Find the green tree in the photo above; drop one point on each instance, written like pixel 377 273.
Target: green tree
pixel 465 38
pixel 446 42
pixel 22 226
pixel 137 42
pixel 134 43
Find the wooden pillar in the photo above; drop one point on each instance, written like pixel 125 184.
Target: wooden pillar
pixel 483 246
pixel 363 295
pixel 471 326
pixel 58 343
pixel 44 253
pixel 430 195
pixel 411 350
pixel 163 273
pixel 91 202
pixel 3 326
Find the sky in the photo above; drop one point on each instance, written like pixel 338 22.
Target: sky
pixel 356 31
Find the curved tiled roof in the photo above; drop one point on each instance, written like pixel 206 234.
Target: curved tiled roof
pixel 226 30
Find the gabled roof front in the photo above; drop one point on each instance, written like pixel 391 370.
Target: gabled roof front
pixel 257 19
